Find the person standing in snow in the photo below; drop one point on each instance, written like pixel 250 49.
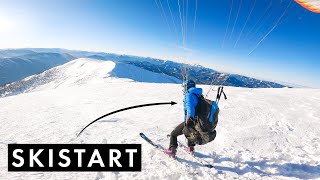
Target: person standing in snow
pixel 191 99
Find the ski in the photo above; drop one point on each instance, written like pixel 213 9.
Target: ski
pixel 199 160
pixel 151 142
pixel 158 147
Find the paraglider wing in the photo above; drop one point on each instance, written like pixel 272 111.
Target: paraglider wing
pixel 311 5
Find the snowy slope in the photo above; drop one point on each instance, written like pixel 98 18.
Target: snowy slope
pixel 84 71
pixel 262 133
pixel 128 71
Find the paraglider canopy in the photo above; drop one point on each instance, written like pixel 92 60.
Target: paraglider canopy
pixel 311 5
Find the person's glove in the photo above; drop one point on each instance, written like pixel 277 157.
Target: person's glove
pixel 189 123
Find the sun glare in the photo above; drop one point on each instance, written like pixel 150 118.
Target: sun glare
pixel 6 24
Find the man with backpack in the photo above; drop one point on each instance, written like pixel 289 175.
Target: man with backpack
pixel 191 94
pixel 201 117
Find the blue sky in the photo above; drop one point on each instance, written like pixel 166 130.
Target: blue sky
pixel 289 34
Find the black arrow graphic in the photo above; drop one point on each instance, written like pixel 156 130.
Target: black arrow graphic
pixel 124 109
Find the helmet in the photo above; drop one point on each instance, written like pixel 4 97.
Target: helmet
pixel 188 84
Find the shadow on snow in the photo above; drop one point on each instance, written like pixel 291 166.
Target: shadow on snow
pixel 303 171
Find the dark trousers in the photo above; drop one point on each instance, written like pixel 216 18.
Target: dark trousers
pixel 175 133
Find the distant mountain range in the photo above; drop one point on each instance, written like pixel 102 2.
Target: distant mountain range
pixel 16 64
pixel 23 63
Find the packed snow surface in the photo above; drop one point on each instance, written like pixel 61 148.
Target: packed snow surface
pixel 261 134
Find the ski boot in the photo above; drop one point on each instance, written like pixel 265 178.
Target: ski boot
pixel 190 149
pixel 171 152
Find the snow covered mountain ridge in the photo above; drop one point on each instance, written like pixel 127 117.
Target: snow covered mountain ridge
pixel 83 71
pixel 197 72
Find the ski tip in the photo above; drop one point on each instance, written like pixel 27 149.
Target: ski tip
pixel 142 135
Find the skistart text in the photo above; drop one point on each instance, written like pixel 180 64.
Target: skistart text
pixel 74 157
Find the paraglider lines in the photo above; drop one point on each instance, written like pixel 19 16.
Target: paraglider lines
pixel 227 24
pixel 181 23
pixel 264 24
pixel 276 24
pixel 164 14
pixel 263 15
pixel 211 85
pixel 186 19
pixel 174 24
pixel 195 17
pixel 235 45
pixel 164 18
pixel 235 22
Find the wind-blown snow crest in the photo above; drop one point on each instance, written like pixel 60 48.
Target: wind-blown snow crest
pixel 76 72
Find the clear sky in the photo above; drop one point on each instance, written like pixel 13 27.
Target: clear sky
pixel 270 39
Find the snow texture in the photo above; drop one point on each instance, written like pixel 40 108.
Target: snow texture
pixel 261 134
